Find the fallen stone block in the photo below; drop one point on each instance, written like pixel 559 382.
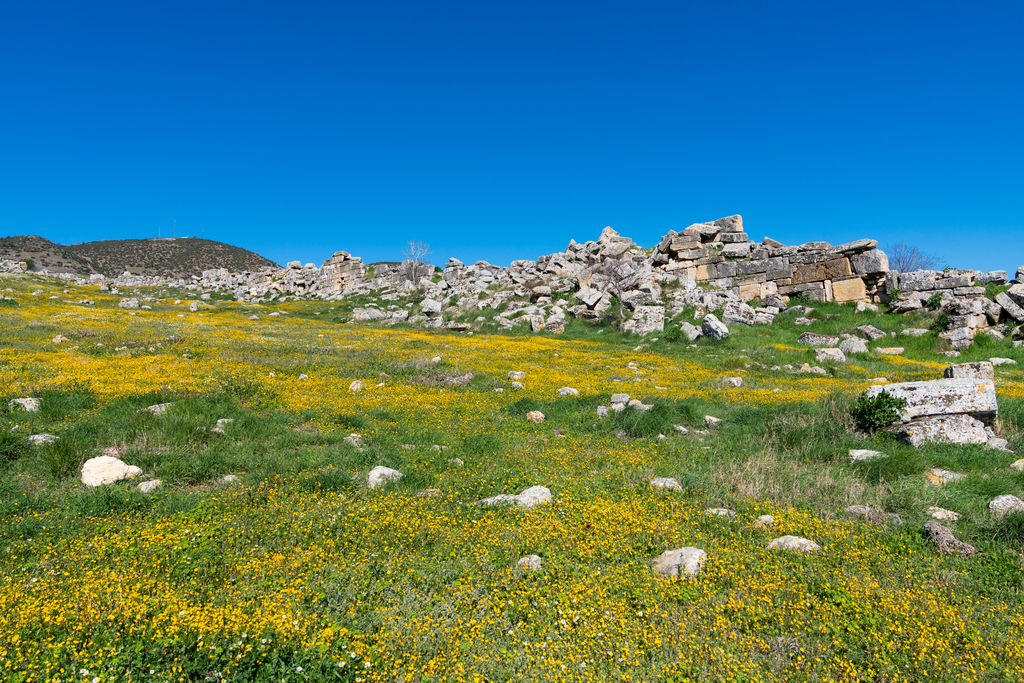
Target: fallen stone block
pixel 944 397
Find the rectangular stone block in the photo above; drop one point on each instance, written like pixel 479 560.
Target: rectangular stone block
pixel 684 243
pixel 733 237
pixel 852 289
pixel 951 282
pixel 944 397
pixel 690 254
pixel 726 269
pixel 750 290
pixel 837 268
pixel 811 272
pixel 779 274
pixel 749 267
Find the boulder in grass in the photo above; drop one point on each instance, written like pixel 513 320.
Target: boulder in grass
pixel 942 514
pixel 814 339
pixel 679 562
pixel 1004 505
pixel 939 477
pixel 150 486
pixel 871 333
pixel 732 382
pixel 531 563
pixel 667 483
pixel 42 439
pixel 535 416
pixel 158 409
pixel 863 454
pixel 516 375
pixel 945 542
pixel 794 543
pixel 106 469
pixel 831 355
pixel 29 405
pixel 852 345
pixel 713 328
pixel 527 499
pixel 381 475
pixel 568 391
pixel 356 386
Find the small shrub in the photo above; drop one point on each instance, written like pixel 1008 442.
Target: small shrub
pixel 8 303
pixel 871 414
pixel 934 301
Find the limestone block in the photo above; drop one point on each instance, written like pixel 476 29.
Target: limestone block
pixel 646 319
pixel 107 469
pixel 959 429
pixel 849 290
pixel 814 339
pixel 833 355
pixel 944 397
pixel 713 328
pixel 982 370
pixel 1011 307
pixel 381 475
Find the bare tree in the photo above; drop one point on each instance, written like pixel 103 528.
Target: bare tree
pixel 905 258
pixel 417 252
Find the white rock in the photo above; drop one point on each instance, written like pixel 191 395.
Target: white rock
pixel 764 521
pixel 517 385
pixel 680 561
pixel 529 498
pixel 1017 465
pixel 939 477
pixel 228 479
pixel 852 345
pixel 568 391
pixel 732 382
pixel 354 440
pixel 107 470
pixel 356 386
pixel 158 409
pixel 516 375
pixel 381 475
pixel 619 399
pixel 530 562
pixel 666 483
pixel 710 421
pixel 833 355
pixel 1002 361
pixel 456 461
pixel 862 454
pixel 720 512
pixel 1004 505
pixel 42 439
pixel 29 405
pixel 535 416
pixel 150 486
pixel 943 514
pixel 796 543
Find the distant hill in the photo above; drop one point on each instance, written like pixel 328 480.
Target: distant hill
pixel 179 257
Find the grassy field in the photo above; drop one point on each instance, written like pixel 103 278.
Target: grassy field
pixel 297 571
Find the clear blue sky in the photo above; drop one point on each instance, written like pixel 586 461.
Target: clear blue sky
pixel 499 130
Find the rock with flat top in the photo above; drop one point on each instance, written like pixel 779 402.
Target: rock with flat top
pixel 29 405
pixel 713 328
pixel 535 416
pixel 831 355
pixel 863 454
pixel 944 397
pixel 981 370
pixel 568 391
pixel 158 409
pixel 959 429
pixel 814 339
pixel 939 477
pixel 942 514
pixel 666 483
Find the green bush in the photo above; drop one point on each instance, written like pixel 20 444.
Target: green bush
pixel 934 301
pixel 871 414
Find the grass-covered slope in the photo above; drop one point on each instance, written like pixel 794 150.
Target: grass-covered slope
pixel 297 571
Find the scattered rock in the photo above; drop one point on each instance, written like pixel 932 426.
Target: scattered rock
pixel 60 339
pixel 852 345
pixel 813 339
pixel 959 429
pixel 29 405
pixel 872 515
pixel 516 375
pixel 1017 465
pixel 228 479
pixel 157 410
pixel 354 440
pixel 680 561
pixel 890 351
pixel 944 397
pixel 530 562
pixel 529 498
pixel 721 512
pixel 666 483
pixel 795 543
pixel 42 439
pixel 150 486
pixel 356 386
pixel 1004 505
pixel 713 328
pixel 943 514
pixel 939 477
pixel 862 454
pixel 982 370
pixel 1002 361
pixel 710 421
pixel 732 382
pixel 764 521
pixel 945 542
pixel 568 391
pixel 381 475
pixel 535 416
pixel 107 470
pixel 833 355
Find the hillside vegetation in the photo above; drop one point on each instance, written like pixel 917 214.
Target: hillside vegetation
pixel 170 257
pixel 264 555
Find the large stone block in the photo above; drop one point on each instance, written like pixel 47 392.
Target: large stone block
pixel 981 370
pixel 961 429
pixel 856 246
pixel 811 272
pixel 869 262
pixel 1010 306
pixel 837 268
pixel 849 290
pixel 646 319
pixel 944 397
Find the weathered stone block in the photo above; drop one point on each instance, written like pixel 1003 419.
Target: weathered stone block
pixel 849 290
pixel 811 272
pixel 982 370
pixel 960 429
pixel 837 268
pixel 874 261
pixel 944 397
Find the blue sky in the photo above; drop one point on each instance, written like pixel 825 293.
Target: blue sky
pixel 499 131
